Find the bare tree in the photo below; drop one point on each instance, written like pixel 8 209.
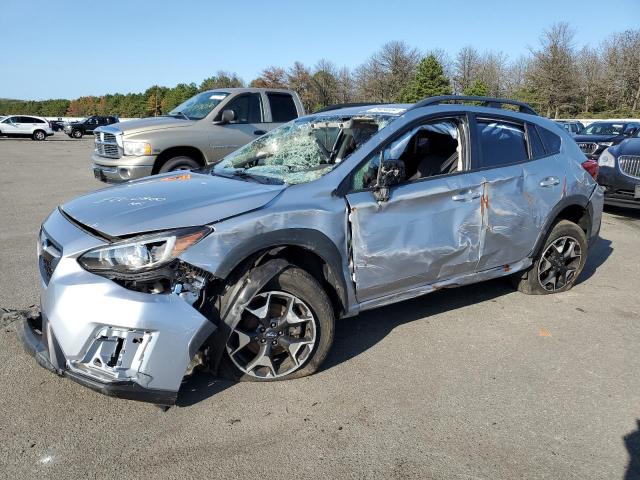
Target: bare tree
pixel 383 76
pixel 465 68
pixel 553 72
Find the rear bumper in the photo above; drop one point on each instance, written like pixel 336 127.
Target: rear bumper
pixel 37 344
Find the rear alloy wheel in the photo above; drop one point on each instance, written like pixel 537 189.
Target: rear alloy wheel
pixel 285 331
pixel 76 134
pixel 39 135
pixel 560 262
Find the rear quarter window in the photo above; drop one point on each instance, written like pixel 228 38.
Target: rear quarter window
pixel 550 140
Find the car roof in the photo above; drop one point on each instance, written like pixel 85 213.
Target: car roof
pixel 247 90
pixel 392 109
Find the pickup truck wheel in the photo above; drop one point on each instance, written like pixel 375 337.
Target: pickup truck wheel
pixel 179 163
pixel 39 135
pixel 76 134
pixel 559 263
pixel 285 331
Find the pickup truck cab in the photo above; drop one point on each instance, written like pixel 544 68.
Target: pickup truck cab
pixel 198 132
pixel 88 125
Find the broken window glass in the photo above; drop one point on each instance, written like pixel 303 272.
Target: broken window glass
pixel 302 150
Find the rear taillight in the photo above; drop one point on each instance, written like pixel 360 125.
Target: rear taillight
pixel 592 167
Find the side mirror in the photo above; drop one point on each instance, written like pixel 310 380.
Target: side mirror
pixel 391 173
pixel 630 132
pixel 227 116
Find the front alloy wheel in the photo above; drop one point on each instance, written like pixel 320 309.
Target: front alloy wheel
pixel 284 332
pixel 275 336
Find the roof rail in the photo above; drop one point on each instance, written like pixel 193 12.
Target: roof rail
pixel 484 101
pixel 338 106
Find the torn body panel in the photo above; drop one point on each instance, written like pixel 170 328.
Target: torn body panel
pixel 516 203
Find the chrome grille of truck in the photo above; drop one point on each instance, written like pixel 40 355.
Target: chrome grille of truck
pixel 630 165
pixel 106 145
pixel 588 147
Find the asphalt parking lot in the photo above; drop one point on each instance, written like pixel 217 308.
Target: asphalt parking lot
pixel 476 382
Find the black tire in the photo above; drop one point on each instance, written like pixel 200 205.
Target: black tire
pixel 301 284
pixel 181 162
pixel 76 134
pixel 39 135
pixel 531 282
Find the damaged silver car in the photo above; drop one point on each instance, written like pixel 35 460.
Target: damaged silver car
pixel 245 267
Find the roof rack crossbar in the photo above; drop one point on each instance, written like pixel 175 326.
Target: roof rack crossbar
pixel 484 101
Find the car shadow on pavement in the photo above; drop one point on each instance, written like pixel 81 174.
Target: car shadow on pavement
pixel 356 335
pixel 598 254
pixel 200 386
pixel 632 442
pixel 628 212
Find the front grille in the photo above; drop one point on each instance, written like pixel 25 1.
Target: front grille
pixel 588 147
pixel 630 165
pixel 49 254
pixel 106 145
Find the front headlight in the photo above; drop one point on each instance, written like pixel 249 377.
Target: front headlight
pixel 137 148
pixel 143 253
pixel 605 144
pixel 606 159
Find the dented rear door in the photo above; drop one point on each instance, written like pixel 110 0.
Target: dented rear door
pixel 428 230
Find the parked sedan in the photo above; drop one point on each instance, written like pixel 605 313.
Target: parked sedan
pixel 598 136
pixel 620 173
pixel 37 128
pixel 244 267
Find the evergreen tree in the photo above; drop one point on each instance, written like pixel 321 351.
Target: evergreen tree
pixel 429 81
pixel 478 88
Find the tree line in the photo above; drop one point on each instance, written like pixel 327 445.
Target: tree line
pixel 556 77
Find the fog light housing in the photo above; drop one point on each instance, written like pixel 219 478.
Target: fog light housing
pixel 124 173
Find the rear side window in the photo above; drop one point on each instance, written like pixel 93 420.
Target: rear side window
pixel 247 108
pixel 535 143
pixel 283 107
pixel 550 140
pixel 501 143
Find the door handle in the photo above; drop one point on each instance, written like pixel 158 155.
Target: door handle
pixel 549 182
pixel 259 132
pixel 465 196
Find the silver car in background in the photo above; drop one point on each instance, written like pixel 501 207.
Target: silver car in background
pixel 244 268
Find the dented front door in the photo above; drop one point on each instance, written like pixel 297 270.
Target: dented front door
pixel 427 231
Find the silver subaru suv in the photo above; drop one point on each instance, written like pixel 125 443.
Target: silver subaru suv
pixel 244 267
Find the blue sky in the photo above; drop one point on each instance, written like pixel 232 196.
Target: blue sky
pixel 64 49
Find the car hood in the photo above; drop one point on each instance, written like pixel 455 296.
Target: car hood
pixel 630 146
pixel 168 201
pixel 597 138
pixel 152 123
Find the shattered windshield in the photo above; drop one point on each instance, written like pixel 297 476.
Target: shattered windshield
pixel 198 106
pixel 302 150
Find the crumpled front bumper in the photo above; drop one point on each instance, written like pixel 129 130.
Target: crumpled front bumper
pixel 38 344
pixel 117 341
